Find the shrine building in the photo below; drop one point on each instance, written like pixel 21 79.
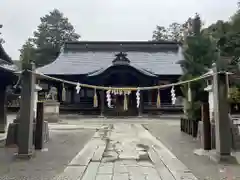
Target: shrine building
pixel 7 78
pixel 116 64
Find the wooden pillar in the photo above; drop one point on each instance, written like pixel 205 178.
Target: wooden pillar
pixel 140 109
pixel 25 128
pixel 72 95
pixel 206 126
pixel 221 117
pixel 102 102
pixel 150 97
pixel 3 110
pixel 59 93
pixel 39 138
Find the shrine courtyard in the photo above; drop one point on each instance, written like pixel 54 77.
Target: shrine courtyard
pixel 119 148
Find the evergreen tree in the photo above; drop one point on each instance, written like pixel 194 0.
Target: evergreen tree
pixel 199 53
pixel 1 39
pixel 53 31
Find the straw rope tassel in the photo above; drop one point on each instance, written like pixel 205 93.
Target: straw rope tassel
pixel 158 99
pixel 125 104
pixel 63 93
pixel 95 99
pixel 189 93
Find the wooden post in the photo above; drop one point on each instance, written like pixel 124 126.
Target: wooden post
pixel 222 122
pixel 102 102
pixel 39 136
pixel 25 128
pixel 206 127
pixel 3 111
pixel 59 93
pixel 149 97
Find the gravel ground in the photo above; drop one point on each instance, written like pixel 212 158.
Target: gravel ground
pixel 59 151
pixel 183 145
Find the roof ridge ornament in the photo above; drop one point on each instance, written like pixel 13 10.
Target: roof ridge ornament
pixel 121 59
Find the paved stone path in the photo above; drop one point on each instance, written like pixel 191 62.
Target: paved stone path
pixel 125 157
pixel 183 146
pixel 126 152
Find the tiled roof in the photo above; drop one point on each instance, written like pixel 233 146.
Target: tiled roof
pixel 4 55
pixel 7 66
pixel 87 57
pixel 143 71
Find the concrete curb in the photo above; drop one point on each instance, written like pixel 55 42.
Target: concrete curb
pixel 68 127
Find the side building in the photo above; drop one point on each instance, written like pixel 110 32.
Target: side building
pixel 7 78
pixel 116 64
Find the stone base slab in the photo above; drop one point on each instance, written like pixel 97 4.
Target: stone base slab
pixel 214 156
pixel 51 117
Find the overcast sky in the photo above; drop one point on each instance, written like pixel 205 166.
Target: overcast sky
pixel 105 19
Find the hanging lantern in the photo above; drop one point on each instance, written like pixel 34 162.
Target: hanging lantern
pixel 189 93
pixel 158 99
pixel 63 93
pixel 173 95
pixel 138 98
pixel 78 88
pixel 95 99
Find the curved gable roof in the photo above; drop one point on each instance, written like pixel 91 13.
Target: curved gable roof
pixel 158 58
pixel 102 70
pixel 4 56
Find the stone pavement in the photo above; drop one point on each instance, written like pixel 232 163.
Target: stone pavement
pixel 127 152
pixel 183 146
pixel 52 160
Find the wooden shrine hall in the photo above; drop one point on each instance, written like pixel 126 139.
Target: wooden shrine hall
pixel 7 78
pixel 116 64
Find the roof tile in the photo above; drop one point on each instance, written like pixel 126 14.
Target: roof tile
pixel 75 62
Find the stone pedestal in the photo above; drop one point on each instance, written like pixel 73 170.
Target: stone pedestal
pixel 51 111
pixel 13 132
